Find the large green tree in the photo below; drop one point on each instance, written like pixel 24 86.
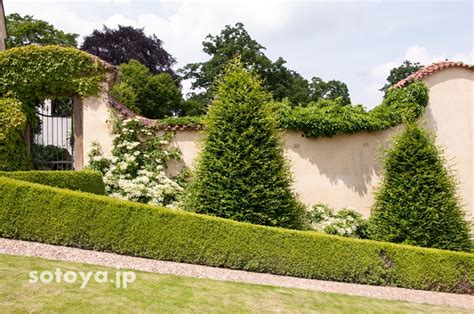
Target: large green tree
pixel 25 30
pixel 242 173
pixel 154 96
pixel 399 73
pixel 235 40
pixel 332 89
pixel 417 202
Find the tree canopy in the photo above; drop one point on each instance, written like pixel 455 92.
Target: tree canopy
pixel 399 73
pixel 235 40
pixel 25 30
pixel 154 96
pixel 332 90
pixel 118 46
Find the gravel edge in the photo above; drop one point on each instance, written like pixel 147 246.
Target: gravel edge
pixel 24 248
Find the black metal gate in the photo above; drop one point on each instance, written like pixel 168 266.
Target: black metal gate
pixel 52 145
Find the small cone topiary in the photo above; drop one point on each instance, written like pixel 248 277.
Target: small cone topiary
pixel 417 202
pixel 241 173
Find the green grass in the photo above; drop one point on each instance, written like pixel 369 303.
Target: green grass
pixel 165 293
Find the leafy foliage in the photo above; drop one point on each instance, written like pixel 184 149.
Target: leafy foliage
pixel 45 153
pixel 417 202
pixel 136 170
pixel 182 121
pixel 154 96
pixel 232 41
pixel 13 151
pixel 35 212
pixel 329 118
pixel 118 46
pixel 194 105
pixel 242 173
pixel 332 89
pixel 83 180
pixel 346 222
pixel 25 30
pixel 34 73
pixel 399 73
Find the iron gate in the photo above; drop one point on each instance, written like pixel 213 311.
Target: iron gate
pixel 52 146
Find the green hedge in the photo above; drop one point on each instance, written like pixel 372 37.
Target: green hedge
pixel 34 212
pixel 85 180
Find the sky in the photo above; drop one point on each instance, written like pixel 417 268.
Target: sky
pixel 356 42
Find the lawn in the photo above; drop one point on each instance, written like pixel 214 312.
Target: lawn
pixel 165 293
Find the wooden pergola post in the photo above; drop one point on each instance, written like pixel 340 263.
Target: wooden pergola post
pixel 3 28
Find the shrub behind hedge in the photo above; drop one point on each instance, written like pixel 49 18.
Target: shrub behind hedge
pixel 417 202
pixel 242 173
pixel 34 212
pixel 84 180
pixel 13 152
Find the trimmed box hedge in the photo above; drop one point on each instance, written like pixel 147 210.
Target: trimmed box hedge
pixel 84 180
pixel 33 212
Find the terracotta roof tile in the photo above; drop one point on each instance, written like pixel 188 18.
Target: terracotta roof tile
pixel 430 69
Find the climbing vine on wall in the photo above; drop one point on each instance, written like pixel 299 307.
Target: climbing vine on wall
pixel 30 74
pixel 34 73
pixel 330 117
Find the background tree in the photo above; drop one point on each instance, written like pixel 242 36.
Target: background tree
pixel 399 73
pixel 232 41
pixel 154 96
pixel 333 89
pixel 417 202
pixel 193 105
pixel 25 30
pixel 118 46
pixel 242 173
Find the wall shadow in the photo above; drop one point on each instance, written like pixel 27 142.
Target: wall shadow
pixel 352 160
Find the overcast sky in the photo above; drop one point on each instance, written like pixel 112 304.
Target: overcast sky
pixel 357 42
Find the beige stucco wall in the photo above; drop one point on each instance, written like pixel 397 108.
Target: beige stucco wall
pixel 3 29
pixel 343 171
pixel 96 112
pixel 450 115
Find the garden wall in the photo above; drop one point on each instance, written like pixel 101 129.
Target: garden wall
pixel 344 170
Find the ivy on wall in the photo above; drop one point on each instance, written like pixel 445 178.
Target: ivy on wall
pixel 330 117
pixel 13 152
pixel 31 74
pixel 34 73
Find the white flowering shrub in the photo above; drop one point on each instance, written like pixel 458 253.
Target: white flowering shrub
pixel 136 170
pixel 347 222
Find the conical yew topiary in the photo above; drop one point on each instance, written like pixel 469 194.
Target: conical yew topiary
pixel 241 173
pixel 417 202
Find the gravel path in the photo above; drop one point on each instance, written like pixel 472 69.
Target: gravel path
pixel 15 247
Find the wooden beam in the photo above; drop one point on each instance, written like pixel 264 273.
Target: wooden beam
pixel 3 28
